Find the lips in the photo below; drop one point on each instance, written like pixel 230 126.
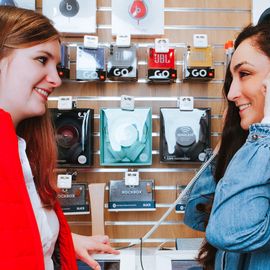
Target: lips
pixel 43 92
pixel 244 106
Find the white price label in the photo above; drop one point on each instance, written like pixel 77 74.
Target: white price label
pixel 127 103
pixel 64 103
pixel 64 181
pixel 132 178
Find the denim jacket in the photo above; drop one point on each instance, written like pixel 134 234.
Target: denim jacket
pixel 239 224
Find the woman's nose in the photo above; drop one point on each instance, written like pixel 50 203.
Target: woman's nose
pixel 53 78
pixel 234 91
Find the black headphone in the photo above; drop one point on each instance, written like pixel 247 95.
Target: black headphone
pixel 68 134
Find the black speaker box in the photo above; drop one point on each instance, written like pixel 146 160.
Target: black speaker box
pixel 73 130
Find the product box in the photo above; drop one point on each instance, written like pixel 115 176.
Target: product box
pixel 184 135
pixel 77 16
pixel 90 64
pixel 125 137
pixel 122 63
pixel 28 4
pixel 131 198
pixel 144 17
pixel 73 130
pixel 198 64
pixel 75 200
pixel 161 66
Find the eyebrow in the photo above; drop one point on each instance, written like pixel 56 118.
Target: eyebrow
pixel 49 55
pixel 236 67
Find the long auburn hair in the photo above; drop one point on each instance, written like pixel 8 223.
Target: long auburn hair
pixel 260 38
pixel 23 28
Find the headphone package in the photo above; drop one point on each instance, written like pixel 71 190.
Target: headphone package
pixel 135 17
pixel 125 137
pixel 71 16
pixel 131 198
pixel 184 135
pixel 74 139
pixel 122 63
pixel 75 200
pixel 90 64
pixel 28 4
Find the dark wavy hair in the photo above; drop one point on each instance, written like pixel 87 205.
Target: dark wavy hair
pixel 260 39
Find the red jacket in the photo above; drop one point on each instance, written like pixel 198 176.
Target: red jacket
pixel 19 236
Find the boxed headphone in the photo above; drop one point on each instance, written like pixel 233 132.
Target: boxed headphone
pixel 184 135
pixel 71 16
pixel 123 197
pixel 29 4
pixel 74 200
pixel 125 137
pixel 122 63
pixel 73 129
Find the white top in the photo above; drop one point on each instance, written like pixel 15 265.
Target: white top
pixel 47 220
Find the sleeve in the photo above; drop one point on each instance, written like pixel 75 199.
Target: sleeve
pixel 202 193
pixel 239 219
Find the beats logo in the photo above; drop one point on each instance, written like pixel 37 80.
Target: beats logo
pixel 69 8
pixel 138 10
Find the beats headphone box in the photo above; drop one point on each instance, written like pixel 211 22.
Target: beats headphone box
pixel 73 130
pixel 71 16
pixel 184 135
pixel 138 17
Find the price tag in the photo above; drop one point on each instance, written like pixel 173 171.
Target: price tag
pixel 90 42
pixel 64 181
pixel 200 41
pixel 186 103
pixel 127 103
pixel 65 103
pixel 162 45
pixel 123 40
pixel 132 178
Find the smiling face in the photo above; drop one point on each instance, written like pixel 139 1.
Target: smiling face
pixel 249 67
pixel 27 77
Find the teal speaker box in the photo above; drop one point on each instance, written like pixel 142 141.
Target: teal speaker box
pixel 125 137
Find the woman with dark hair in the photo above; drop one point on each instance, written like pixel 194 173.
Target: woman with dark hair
pixel 34 233
pixel 230 201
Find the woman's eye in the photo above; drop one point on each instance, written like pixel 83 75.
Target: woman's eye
pixel 42 60
pixel 243 74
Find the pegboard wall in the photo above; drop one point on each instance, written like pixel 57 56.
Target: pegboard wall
pixel 221 20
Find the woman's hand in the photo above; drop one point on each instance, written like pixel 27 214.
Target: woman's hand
pixel 266 92
pixel 85 246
